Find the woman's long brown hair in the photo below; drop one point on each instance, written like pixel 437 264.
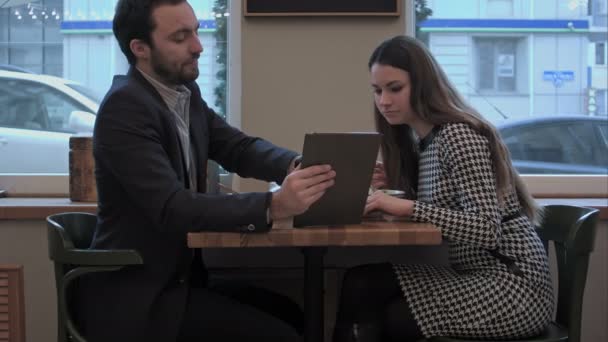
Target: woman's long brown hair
pixel 435 100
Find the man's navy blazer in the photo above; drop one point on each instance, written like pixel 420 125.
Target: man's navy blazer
pixel 145 204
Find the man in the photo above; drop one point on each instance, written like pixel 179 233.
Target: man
pixel 153 137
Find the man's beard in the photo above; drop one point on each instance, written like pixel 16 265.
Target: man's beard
pixel 176 77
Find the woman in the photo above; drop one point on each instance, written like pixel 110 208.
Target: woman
pixel 456 174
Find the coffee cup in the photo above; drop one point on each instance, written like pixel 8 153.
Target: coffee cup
pixel 394 193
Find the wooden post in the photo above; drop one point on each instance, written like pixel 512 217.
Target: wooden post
pixel 82 169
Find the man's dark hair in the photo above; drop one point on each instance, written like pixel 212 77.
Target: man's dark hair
pixel 133 20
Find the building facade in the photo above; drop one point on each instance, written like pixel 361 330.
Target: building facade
pixel 73 39
pixel 523 58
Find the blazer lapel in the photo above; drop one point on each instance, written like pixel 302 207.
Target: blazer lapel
pixel 198 138
pixel 160 103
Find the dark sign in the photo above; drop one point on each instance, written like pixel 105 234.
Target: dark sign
pixel 321 7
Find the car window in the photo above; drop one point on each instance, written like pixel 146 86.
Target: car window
pixel 580 143
pixel 539 144
pixel 23 113
pixel 30 105
pixel 90 93
pixel 603 131
pixel 560 142
pixel 19 108
pixel 601 154
pixel 514 146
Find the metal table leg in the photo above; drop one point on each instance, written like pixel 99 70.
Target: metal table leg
pixel 313 293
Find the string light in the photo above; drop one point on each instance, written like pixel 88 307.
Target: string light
pixel 37 11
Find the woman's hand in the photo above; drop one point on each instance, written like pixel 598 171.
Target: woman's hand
pixel 379 176
pixel 389 204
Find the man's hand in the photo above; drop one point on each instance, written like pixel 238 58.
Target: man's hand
pixel 300 189
pixel 294 164
pixel 389 204
pixel 379 176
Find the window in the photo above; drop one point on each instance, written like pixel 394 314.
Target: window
pixel 73 41
pixel 528 67
pixel 496 64
pixel 30 36
pixel 600 53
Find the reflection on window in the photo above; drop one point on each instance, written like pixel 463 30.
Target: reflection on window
pixel 529 63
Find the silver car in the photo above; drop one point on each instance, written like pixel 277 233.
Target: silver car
pixel 38 114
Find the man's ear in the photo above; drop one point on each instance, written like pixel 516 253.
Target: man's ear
pixel 140 49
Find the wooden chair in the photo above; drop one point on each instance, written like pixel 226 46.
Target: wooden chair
pixel 69 238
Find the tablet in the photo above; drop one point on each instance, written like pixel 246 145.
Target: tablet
pixel 352 156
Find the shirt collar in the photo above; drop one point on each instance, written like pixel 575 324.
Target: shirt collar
pixel 171 95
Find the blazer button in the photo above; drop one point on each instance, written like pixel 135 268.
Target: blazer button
pixel 251 228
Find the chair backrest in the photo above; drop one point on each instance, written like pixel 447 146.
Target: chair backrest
pixel 572 230
pixel 67 231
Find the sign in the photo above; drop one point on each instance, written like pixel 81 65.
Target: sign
pixel 506 65
pixel 558 76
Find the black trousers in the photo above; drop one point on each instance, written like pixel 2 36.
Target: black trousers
pixel 232 311
pixel 373 308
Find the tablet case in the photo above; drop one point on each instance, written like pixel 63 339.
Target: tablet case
pixel 352 156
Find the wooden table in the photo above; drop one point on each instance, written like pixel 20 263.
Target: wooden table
pixel 314 242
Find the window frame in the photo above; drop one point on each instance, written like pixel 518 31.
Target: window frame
pixel 476 43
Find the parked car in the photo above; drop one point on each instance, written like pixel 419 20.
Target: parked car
pixel 558 144
pixel 38 114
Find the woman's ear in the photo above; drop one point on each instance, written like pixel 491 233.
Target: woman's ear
pixel 140 49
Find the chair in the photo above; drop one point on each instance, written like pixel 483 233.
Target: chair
pixel 572 230
pixel 69 237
